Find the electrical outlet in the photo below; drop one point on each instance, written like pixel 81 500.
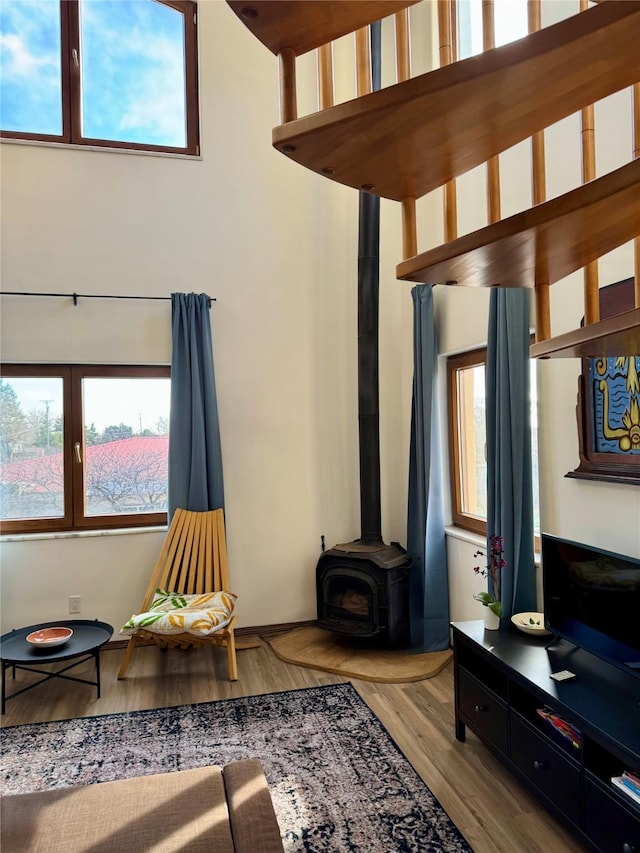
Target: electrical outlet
pixel 74 604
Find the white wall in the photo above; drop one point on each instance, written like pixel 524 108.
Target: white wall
pixel 277 247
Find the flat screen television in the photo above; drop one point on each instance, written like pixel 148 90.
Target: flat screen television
pixel 592 599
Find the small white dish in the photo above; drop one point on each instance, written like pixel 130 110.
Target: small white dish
pixel 45 638
pixel 530 623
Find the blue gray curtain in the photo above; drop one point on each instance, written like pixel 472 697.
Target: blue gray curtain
pixel 429 587
pixel 195 456
pixel 509 476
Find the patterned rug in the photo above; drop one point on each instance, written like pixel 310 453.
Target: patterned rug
pixel 338 781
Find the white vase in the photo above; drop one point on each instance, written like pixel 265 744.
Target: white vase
pixel 491 621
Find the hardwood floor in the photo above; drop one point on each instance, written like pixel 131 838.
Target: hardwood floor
pixel 493 811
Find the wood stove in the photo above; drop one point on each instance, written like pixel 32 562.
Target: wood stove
pixel 362 587
pixel 363 592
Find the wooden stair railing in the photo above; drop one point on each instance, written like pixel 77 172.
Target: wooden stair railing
pixel 551 240
pixel 538 196
pixel 419 134
pixel 412 137
pixel 546 243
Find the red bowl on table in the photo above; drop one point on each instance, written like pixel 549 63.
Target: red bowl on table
pixel 45 638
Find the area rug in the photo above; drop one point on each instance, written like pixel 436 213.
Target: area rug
pixel 316 648
pixel 338 781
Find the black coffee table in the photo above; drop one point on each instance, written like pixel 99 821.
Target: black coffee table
pixel 17 653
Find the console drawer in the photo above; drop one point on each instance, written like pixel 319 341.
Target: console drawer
pixel 610 826
pixel 552 773
pixel 483 712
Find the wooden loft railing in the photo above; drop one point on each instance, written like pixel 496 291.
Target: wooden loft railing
pixel 618 335
pixel 419 134
pixel 545 244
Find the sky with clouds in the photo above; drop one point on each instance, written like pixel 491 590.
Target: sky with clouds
pixel 139 403
pixel 132 69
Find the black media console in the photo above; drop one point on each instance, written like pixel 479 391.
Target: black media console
pixel 502 678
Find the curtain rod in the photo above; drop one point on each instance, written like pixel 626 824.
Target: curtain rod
pixel 76 296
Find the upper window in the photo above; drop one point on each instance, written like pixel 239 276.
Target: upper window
pixel 468 442
pixel 117 73
pixel 510 23
pixel 83 447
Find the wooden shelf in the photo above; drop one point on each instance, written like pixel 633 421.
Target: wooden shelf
pixel 408 139
pixel 543 244
pixel 303 26
pixel 615 336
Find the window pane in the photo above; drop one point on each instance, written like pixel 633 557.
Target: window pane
pixel 510 23
pixel 510 20
pixel 126 426
pixel 472 438
pixel 133 72
pixel 469 28
pixel 31 441
pixel 31 82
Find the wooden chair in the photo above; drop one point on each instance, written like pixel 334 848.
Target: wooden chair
pixel 193 560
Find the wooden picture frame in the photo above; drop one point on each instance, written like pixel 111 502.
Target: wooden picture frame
pixel 608 405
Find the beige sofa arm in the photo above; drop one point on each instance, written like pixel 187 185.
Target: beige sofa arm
pixel 253 821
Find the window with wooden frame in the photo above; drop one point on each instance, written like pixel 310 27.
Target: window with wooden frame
pixel 468 441
pixel 83 447
pixel 115 73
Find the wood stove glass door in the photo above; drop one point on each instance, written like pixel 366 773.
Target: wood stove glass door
pixel 350 602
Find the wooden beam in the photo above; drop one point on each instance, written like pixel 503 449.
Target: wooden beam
pixel 588 140
pixel 446 38
pixel 287 80
pixel 325 76
pixel 409 229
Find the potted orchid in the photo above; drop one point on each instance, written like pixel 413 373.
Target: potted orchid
pixel 492 571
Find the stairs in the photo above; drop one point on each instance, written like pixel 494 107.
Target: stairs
pixel 412 137
pixel 547 242
pixel 303 26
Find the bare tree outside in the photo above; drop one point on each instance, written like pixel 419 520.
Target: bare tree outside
pixel 31 483
pixel 123 479
pixel 13 423
pixel 125 461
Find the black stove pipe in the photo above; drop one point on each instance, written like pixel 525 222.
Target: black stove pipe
pixel 368 351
